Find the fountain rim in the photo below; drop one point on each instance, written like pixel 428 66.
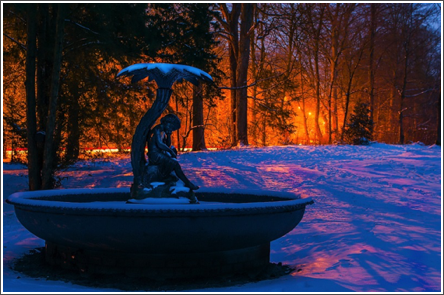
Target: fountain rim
pixel 30 200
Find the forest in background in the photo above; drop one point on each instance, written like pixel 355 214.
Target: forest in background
pixel 284 73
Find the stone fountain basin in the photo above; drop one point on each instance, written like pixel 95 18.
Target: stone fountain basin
pixel 100 219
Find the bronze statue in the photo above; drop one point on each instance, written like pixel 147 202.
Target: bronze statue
pixel 162 154
pixel 162 158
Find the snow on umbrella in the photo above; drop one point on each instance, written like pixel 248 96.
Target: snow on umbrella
pixel 165 74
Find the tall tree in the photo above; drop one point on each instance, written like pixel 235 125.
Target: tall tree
pixel 408 31
pixel 340 18
pixel 34 175
pixel 247 13
pixel 193 45
pixel 316 23
pixel 358 130
pixel 352 62
pixel 49 154
pixel 229 20
pixel 198 119
pixel 371 61
pixel 238 24
pixel 50 44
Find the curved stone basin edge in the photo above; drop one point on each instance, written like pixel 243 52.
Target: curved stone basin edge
pixel 35 199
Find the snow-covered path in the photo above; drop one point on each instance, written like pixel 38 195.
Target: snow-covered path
pixel 375 225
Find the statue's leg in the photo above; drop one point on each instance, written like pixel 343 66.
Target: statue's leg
pixel 179 172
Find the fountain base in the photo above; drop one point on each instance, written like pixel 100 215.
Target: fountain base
pixel 98 231
pixel 158 266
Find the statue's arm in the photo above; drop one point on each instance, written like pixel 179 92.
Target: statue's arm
pixel 168 139
pixel 168 143
pixel 161 144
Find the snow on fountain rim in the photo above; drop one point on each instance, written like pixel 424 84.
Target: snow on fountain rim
pixel 32 199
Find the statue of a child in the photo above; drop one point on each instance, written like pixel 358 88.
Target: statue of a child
pixel 162 154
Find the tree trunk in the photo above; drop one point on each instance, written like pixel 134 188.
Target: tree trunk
pixel 338 21
pixel 232 20
pixel 318 78
pixel 257 70
pixel 58 133
pixel 304 114
pixel 4 147
pixel 333 63
pixel 242 67
pixel 45 53
pixel 31 120
pixel 233 102
pixel 73 141
pixel 347 102
pixel 348 91
pixel 255 76
pixel 307 135
pixel 401 109
pixel 371 70
pixel 390 134
pixel 404 80
pixel 49 152
pixel 264 130
pixel 198 119
pixel 335 113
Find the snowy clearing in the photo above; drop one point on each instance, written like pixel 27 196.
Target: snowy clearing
pixel 375 225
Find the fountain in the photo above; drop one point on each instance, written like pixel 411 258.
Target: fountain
pixel 164 226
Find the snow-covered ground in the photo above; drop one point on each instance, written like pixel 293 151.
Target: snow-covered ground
pixel 375 225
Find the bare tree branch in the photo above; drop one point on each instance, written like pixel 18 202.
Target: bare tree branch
pixel 81 26
pixel 82 45
pixel 221 20
pixel 417 94
pixel 223 34
pixel 252 84
pixel 15 41
pixel 18 16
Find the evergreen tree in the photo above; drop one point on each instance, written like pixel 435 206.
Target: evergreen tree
pixel 359 130
pixel 192 41
pixel 68 71
pixel 100 37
